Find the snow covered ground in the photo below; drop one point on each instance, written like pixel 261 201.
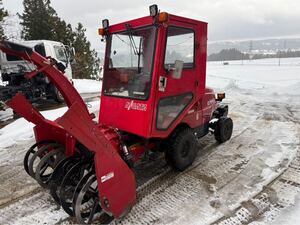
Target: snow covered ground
pixel 255 74
pixel 87 86
pixel 254 178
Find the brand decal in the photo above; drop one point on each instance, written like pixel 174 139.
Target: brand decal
pixel 107 177
pixel 136 106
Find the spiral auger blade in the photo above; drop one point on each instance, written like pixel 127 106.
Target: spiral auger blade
pixel 86 202
pixel 32 150
pixel 112 173
pixel 70 182
pixel 41 159
pixel 58 175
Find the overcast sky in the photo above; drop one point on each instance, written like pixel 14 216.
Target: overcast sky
pixel 227 19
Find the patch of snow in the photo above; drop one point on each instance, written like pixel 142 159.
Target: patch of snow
pixel 87 86
pixel 274 159
pixel 293 89
pixel 254 74
pixel 289 216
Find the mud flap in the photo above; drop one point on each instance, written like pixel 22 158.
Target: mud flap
pixel 116 182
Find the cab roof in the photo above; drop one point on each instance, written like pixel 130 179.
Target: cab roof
pixel 149 20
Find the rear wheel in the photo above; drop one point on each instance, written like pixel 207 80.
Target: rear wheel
pixel 182 149
pixel 223 129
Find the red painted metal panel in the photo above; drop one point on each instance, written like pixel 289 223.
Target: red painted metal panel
pixel 129 115
pixel 108 162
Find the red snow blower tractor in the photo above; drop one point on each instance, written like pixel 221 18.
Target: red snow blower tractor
pixel 154 99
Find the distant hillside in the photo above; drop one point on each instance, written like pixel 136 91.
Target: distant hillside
pixel 267 46
pixel 228 54
pixel 234 54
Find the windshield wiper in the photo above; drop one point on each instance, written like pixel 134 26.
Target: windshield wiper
pixel 135 49
pixel 139 56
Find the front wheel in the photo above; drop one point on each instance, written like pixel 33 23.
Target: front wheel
pixel 223 130
pixel 58 96
pixel 182 149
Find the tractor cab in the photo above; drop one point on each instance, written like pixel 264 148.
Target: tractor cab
pixel 154 74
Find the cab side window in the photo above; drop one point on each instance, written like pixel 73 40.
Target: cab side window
pixel 170 108
pixel 180 46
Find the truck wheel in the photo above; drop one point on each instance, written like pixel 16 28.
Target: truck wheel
pixel 223 129
pixel 58 96
pixel 182 149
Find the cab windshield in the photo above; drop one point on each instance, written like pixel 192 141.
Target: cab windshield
pixel 60 53
pixel 129 58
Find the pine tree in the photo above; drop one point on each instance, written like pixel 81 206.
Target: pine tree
pixel 62 31
pixel 87 62
pixel 37 20
pixel 40 21
pixel 3 14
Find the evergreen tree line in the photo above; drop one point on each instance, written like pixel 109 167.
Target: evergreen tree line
pixel 234 54
pixel 228 54
pixel 3 14
pixel 280 54
pixel 40 21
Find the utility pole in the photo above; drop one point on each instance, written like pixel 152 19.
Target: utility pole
pixel 242 58
pixel 250 50
pixel 279 53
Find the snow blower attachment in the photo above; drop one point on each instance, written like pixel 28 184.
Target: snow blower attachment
pixel 154 100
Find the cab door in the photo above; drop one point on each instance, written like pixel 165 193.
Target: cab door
pixel 175 95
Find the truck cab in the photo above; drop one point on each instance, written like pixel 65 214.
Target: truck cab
pixel 13 70
pixel 57 50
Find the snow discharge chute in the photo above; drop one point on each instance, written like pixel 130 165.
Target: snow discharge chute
pixel 73 150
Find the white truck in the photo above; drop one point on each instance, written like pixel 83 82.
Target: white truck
pixel 13 70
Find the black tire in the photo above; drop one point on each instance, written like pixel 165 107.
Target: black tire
pixel 182 149
pixel 223 129
pixel 58 96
